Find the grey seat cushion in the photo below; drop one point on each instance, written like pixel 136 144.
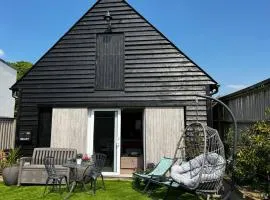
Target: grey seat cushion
pixel 60 167
pixel 188 173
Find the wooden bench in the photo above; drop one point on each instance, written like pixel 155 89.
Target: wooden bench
pixel 32 169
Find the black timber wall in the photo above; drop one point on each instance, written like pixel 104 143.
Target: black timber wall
pixel 156 73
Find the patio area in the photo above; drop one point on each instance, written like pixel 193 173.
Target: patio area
pixel 115 189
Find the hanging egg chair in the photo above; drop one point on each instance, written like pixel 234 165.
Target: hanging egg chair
pixel 201 160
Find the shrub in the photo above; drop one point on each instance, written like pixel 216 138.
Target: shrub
pixel 253 154
pixel 3 158
pixel 10 158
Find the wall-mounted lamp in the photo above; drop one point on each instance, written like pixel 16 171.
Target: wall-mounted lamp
pixel 108 19
pixel 15 94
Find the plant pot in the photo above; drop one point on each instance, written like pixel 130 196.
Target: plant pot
pixel 79 161
pixel 10 175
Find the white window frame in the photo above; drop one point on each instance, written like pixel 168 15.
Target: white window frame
pixel 117 137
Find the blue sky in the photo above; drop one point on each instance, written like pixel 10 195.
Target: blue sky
pixel 229 39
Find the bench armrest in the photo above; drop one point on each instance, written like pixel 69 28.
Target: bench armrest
pixel 22 162
pixel 25 159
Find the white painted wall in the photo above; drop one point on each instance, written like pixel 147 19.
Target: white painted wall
pixel 7 79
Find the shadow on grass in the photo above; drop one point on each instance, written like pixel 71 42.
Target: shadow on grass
pixel 157 192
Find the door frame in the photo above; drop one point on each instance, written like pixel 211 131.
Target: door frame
pixel 117 136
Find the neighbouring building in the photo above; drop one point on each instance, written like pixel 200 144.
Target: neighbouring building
pixel 113 84
pixel 8 76
pixel 248 105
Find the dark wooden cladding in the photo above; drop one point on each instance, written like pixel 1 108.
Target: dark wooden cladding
pixel 110 62
pixel 154 71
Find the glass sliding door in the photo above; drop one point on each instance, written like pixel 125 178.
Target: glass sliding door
pixel 104 137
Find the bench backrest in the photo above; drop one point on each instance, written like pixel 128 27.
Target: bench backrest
pixel 60 154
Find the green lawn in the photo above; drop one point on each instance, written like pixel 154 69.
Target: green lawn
pixel 114 190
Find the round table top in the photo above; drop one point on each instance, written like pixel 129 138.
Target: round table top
pixel 75 165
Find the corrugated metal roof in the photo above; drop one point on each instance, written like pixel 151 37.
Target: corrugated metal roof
pixel 241 92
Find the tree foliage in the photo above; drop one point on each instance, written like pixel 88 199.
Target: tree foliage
pixel 22 67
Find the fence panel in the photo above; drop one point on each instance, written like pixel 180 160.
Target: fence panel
pixel 7 133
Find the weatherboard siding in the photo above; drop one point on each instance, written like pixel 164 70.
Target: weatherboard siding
pixel 156 73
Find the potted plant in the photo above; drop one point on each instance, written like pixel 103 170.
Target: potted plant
pixel 86 158
pixel 11 167
pixel 79 158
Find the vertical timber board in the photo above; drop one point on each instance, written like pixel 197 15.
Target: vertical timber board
pixel 7 133
pixel 163 128
pixel 69 128
pixel 110 62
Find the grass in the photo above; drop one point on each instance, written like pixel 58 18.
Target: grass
pixel 114 190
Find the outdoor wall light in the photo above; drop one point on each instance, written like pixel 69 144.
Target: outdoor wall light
pixel 15 94
pixel 108 19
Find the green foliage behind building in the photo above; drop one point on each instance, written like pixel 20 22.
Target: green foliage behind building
pixel 22 67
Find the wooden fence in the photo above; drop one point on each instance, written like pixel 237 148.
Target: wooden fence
pixel 7 133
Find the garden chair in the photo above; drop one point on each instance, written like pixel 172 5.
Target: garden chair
pixel 52 175
pixel 99 160
pixel 158 173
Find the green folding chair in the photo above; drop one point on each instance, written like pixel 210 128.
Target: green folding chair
pixel 158 173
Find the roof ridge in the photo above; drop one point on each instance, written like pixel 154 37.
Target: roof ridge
pixel 247 89
pixel 7 64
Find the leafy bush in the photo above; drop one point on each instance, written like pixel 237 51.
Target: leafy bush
pixel 10 158
pixel 253 155
pixel 3 158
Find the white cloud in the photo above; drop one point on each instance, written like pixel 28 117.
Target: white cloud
pixel 2 53
pixel 236 87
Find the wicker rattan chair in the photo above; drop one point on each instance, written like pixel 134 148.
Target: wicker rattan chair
pixel 201 161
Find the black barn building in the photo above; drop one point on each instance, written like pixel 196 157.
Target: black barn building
pixel 113 84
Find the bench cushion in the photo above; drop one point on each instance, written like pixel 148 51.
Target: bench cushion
pixel 29 167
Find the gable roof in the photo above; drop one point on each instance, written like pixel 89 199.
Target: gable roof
pixel 92 21
pixel 1 60
pixel 172 43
